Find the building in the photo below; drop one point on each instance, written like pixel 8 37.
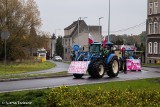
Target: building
pixel 153 32
pixel 78 33
pixel 50 47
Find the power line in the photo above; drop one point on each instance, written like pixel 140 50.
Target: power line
pixel 130 28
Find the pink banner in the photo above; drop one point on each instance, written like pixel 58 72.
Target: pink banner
pixel 133 64
pixel 78 67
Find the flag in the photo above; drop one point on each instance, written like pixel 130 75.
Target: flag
pixel 90 39
pixel 104 42
pixel 122 48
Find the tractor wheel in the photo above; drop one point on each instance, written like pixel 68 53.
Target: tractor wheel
pixel 113 67
pixel 90 71
pixel 78 75
pixel 97 70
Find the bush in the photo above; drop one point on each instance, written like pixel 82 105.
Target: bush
pixel 66 97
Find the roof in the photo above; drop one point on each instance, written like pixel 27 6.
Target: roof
pixel 74 24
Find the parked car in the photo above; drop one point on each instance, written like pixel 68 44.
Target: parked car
pixel 57 58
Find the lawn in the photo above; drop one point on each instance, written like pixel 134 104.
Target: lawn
pixel 142 93
pixel 17 68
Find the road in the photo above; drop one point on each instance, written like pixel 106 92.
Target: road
pixel 68 81
pixel 60 67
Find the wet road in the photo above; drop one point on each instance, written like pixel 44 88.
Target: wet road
pixel 54 82
pixel 60 67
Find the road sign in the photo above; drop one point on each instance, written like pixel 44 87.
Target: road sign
pixel 5 35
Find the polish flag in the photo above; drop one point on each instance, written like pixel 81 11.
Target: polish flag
pixel 122 48
pixel 104 42
pixel 90 39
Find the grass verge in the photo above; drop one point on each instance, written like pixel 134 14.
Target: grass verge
pixel 140 93
pixel 151 65
pixel 29 76
pixel 25 67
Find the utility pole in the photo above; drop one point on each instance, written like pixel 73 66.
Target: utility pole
pixel 100 36
pixel 79 27
pixel 109 23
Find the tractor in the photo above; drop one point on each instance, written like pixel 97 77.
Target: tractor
pixel 129 56
pixel 100 60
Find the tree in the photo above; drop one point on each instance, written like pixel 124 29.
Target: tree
pixel 22 21
pixel 143 36
pixel 59 46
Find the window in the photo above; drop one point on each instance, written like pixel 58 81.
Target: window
pixel 150 8
pixel 150 28
pixel 66 51
pixel 155 7
pixel 150 47
pixel 155 48
pixel 69 42
pixel 65 41
pixel 159 48
pixel 155 27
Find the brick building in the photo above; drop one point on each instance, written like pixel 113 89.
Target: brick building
pixel 153 31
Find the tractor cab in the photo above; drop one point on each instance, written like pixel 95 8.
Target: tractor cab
pixel 97 47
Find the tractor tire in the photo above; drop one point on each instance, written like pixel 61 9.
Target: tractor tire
pixel 97 70
pixel 113 67
pixel 78 75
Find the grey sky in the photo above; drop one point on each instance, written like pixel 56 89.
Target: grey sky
pixel 58 14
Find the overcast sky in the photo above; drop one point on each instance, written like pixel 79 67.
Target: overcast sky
pixel 58 14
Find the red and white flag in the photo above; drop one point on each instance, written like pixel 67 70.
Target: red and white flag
pixel 122 48
pixel 104 42
pixel 90 39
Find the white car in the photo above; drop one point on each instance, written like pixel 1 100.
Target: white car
pixel 57 58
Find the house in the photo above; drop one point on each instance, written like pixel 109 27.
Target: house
pixel 78 33
pixel 153 32
pixel 50 47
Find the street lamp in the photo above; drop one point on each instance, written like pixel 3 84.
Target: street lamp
pixel 80 18
pixel 100 28
pixel 109 23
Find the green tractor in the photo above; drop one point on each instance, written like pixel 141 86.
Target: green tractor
pixel 99 61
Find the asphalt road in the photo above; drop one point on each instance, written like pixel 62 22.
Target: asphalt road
pixel 60 67
pixel 68 81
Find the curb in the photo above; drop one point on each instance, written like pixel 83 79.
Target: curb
pixel 32 78
pixel 152 66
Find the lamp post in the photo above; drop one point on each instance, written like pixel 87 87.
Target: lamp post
pixel 80 18
pixel 100 36
pixel 109 23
